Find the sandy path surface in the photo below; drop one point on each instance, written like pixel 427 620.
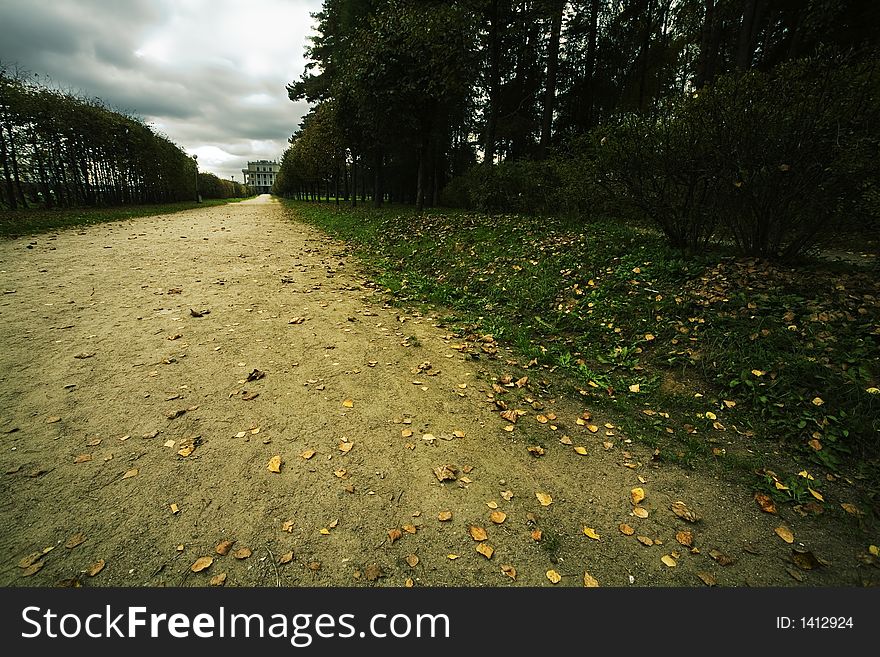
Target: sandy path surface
pixel 131 435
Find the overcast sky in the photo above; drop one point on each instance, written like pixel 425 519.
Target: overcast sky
pixel 209 74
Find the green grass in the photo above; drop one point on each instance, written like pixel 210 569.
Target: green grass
pixel 608 307
pixel 15 223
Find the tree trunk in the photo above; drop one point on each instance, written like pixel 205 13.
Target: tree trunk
pixel 644 53
pixel 494 83
pixel 7 176
pixel 705 63
pixel 420 179
pixel 591 62
pixel 746 45
pixel 550 87
pixel 377 180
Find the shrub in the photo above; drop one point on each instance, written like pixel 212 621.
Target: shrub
pixel 660 166
pixel 781 160
pixel 794 152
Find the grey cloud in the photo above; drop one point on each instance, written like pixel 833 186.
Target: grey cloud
pixel 89 46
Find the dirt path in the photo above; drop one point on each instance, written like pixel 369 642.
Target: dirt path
pixel 108 379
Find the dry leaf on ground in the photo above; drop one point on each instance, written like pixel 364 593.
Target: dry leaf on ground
pixel 73 541
pixel 765 502
pixel 784 533
pixel 477 533
pixel 682 511
pixel 554 577
pixel 720 557
pixel 201 563
pixel 486 550
pixel 274 464
pixel 544 499
pixel 637 495
pixel 707 578
pixel 591 533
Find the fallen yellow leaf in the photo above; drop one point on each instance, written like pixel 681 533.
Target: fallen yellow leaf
pixel 309 453
pixel 497 517
pixel 509 570
pixel 590 581
pixel 554 577
pixel 626 529
pixel 784 533
pixel 590 532
pixel 668 560
pixel 486 550
pixel 637 495
pixel 817 401
pixel 443 516
pixel 201 563
pixel 634 387
pixel 274 464
pixel 345 446
pixel 348 403
pixel 816 494
pixel 544 499
pixel 580 449
pixel 477 533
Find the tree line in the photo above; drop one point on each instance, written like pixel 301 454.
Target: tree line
pixel 58 150
pixel 503 104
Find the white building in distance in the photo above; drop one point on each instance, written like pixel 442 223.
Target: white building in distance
pixel 261 175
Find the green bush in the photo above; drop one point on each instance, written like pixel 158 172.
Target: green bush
pixel 780 160
pixel 794 153
pixel 660 166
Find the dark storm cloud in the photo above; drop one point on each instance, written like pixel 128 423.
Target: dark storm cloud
pixel 209 74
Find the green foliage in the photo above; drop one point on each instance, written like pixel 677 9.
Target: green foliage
pixel 57 150
pixel 780 160
pixel 610 306
pixel 210 186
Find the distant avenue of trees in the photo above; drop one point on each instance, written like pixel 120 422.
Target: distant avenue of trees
pixel 59 150
pixel 502 105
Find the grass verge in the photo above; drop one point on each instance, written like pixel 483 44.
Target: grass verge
pixel 15 223
pixel 706 358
